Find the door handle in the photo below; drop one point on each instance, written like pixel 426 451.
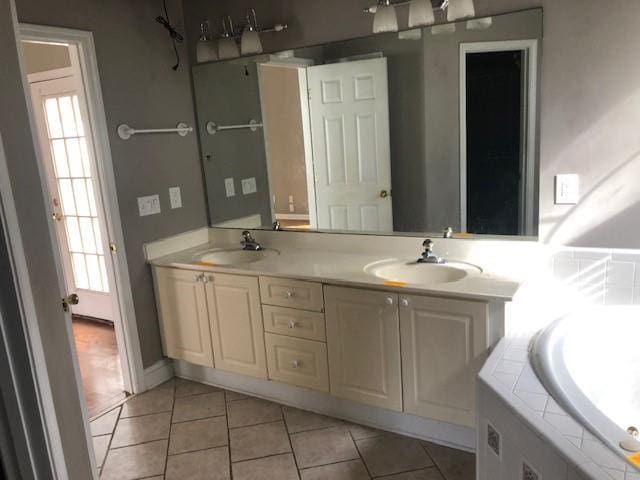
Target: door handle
pixel 72 299
pixel 57 216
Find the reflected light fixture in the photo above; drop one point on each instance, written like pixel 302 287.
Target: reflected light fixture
pixel 385 18
pixel 206 49
pixel 420 13
pixel 227 46
pixel 458 9
pixel 250 41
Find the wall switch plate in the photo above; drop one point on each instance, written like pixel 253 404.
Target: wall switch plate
pixel 176 197
pixel 149 205
pixel 249 186
pixel 567 189
pixel 229 187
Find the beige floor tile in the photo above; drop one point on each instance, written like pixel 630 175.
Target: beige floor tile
pixel 258 441
pixel 252 411
pixel 210 464
pixel 195 407
pixel 321 447
pixel 232 396
pixel 280 467
pixel 300 420
pixel 105 424
pixel 393 454
pixel 187 387
pixel 351 470
pixel 430 473
pixel 134 430
pixel 359 432
pixel 198 435
pixel 158 400
pixel 454 464
pixel 138 461
pixel 100 446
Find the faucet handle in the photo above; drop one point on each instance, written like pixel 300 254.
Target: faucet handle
pixel 428 245
pixel 447 233
pixel 246 235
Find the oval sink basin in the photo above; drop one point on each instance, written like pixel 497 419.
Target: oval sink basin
pixel 234 256
pixel 411 272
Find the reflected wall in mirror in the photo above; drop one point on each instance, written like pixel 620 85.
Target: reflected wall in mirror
pixel 408 132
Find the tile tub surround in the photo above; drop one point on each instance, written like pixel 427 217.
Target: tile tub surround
pixel 513 402
pixel 252 439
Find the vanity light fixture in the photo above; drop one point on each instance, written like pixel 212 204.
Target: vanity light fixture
pixel 206 49
pixel 458 9
pixel 227 46
pixel 385 18
pixel 250 42
pixel 420 13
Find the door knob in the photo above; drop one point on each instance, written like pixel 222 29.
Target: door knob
pixel 384 194
pixel 57 216
pixel 72 299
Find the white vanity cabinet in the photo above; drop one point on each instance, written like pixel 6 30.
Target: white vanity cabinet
pixel 363 339
pixel 235 318
pixel 444 344
pixel 184 317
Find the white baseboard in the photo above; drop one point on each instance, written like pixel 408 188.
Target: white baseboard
pixel 158 373
pixel 434 431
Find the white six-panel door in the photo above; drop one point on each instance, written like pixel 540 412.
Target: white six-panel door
pixel 349 109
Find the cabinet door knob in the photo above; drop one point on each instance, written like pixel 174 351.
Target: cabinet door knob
pixel 199 277
pixel 295 364
pixel 404 302
pixel 292 324
pixel 388 301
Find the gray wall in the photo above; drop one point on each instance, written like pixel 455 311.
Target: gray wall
pixel 590 106
pixel 227 96
pixel 33 217
pixel 140 89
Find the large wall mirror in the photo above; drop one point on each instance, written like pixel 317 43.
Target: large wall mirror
pixel 409 132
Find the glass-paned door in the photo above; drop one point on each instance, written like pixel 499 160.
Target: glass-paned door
pixel 76 209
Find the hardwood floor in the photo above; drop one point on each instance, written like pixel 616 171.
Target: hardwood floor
pixel 99 364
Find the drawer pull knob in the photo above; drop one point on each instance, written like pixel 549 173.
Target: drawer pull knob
pixel 292 324
pixel 388 301
pixel 202 278
pixel 296 364
pixel 288 294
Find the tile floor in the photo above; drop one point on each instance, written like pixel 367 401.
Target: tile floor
pixel 190 431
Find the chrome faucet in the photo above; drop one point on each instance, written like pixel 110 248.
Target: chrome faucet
pixel 276 226
pixel 248 242
pixel 447 233
pixel 428 256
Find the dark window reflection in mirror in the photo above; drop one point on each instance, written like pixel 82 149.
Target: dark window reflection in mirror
pixel 407 132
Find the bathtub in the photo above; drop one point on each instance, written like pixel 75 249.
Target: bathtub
pixel 590 363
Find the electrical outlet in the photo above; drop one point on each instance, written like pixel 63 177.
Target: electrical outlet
pixel 249 185
pixel 149 205
pixel 567 189
pixel 176 197
pixel 229 187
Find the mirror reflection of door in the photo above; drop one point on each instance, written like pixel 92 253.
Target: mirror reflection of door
pixel 349 109
pixel 495 158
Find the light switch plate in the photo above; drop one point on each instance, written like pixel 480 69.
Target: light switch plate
pixel 229 187
pixel 176 197
pixel 567 189
pixel 149 205
pixel 249 186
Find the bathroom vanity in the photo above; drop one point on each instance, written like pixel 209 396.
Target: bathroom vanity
pixel 323 321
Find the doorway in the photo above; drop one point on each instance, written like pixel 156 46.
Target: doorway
pixel 497 137
pixel 77 176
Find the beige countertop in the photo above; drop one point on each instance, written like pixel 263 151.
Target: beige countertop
pixel 345 269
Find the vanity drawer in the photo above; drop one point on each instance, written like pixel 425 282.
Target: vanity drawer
pixel 291 293
pixel 297 361
pixel 294 323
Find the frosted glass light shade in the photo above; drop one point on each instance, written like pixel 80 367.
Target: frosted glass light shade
pixel 206 51
pixel 420 13
pixel 250 42
pixel 385 18
pixel 460 9
pixel 228 48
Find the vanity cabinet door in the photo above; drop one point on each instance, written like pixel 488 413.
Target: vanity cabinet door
pixel 444 344
pixel 235 316
pixel 363 341
pixel 182 308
